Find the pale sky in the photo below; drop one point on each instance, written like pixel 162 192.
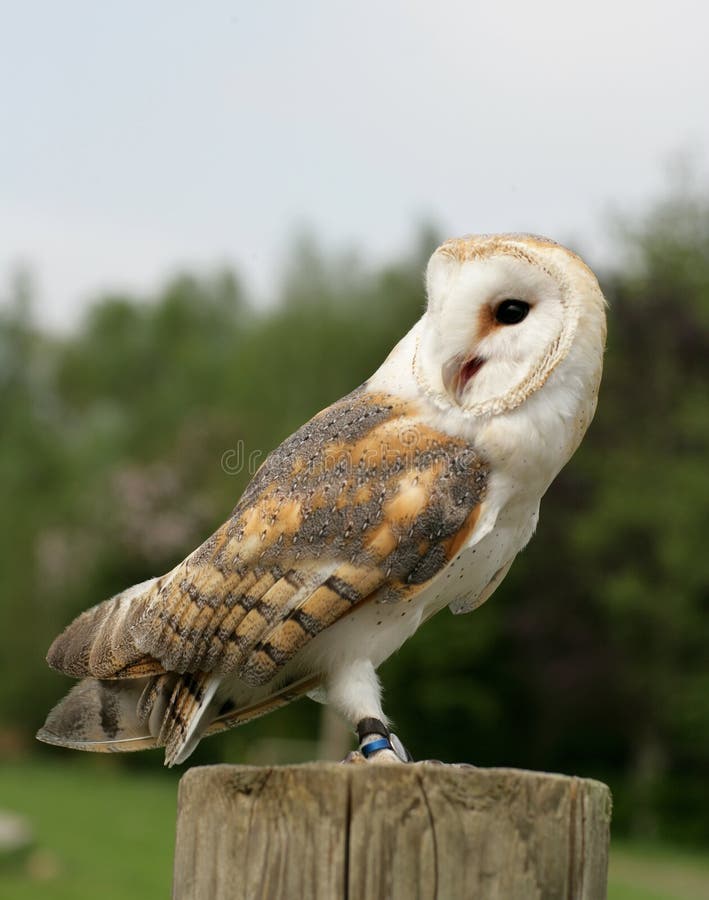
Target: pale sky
pixel 142 137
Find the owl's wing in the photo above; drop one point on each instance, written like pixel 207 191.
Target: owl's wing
pixel 365 502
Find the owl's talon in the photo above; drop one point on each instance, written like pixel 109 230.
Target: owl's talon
pixel 400 749
pixel 354 757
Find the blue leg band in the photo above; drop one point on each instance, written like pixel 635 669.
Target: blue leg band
pixel 374 746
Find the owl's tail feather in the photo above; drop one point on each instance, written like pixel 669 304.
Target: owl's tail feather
pixel 232 714
pixel 103 716
pixel 170 710
pixel 189 711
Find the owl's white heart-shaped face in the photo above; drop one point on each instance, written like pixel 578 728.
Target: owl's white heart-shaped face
pixel 503 314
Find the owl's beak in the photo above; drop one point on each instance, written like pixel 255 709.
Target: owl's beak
pixel 458 372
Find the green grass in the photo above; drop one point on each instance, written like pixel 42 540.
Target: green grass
pixel 101 832
pixel 656 872
pixel 105 832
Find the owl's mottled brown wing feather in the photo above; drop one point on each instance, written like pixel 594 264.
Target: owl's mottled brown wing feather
pixel 363 503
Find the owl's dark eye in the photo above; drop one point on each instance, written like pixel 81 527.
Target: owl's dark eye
pixel 510 312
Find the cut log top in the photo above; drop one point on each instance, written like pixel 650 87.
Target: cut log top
pixel 376 832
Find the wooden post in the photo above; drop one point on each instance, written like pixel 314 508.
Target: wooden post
pixel 373 832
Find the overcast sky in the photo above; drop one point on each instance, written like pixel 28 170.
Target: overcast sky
pixel 140 137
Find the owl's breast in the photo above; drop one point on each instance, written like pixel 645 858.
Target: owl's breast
pixel 478 570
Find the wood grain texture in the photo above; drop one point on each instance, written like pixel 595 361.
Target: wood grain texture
pixel 365 832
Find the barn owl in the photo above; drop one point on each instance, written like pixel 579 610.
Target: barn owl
pixel 412 493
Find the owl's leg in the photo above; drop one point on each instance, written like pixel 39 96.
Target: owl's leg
pixel 375 739
pixel 353 689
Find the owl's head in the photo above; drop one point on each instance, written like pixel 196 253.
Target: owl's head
pixel 507 313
